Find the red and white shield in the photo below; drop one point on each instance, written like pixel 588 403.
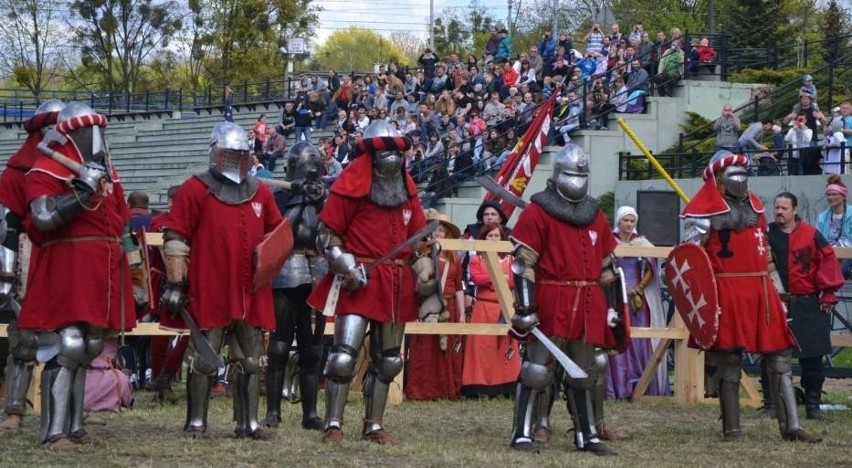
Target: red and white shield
pixel 692 286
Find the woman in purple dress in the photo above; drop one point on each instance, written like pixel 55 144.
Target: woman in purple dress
pixel 642 281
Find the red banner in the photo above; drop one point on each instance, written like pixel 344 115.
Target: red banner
pixel 518 168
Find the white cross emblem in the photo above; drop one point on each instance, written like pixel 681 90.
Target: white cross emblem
pixel 694 314
pixel 760 248
pixel 678 275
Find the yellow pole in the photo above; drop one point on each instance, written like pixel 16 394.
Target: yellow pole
pixel 660 169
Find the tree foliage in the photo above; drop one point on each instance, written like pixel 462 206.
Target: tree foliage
pixel 118 36
pixel 239 40
pixel 29 42
pixel 356 49
pixel 410 45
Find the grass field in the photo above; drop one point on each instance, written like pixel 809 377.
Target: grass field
pixel 461 433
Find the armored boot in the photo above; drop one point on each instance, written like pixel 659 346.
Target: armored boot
pixel 586 435
pixel 246 397
pixel 308 385
pixel 335 401
pixel 781 385
pixel 18 376
pixel 543 407
pixel 375 402
pixel 197 402
pixel 274 388
pixel 525 404
pixel 729 403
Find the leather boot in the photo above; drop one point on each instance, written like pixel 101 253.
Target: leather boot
pixel 274 387
pixel 813 400
pixel 729 402
pixel 308 387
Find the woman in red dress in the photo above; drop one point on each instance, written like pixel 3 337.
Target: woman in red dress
pixel 491 363
pixel 434 364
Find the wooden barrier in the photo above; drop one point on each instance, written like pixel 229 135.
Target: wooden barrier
pixel 689 362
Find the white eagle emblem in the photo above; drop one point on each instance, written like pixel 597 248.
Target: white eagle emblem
pixel 406 216
pixel 593 236
pixel 257 207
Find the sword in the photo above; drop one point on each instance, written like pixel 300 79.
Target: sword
pixel 415 238
pixel 500 192
pixel 570 366
pixel 208 359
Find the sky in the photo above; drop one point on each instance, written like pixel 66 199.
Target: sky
pixel 387 16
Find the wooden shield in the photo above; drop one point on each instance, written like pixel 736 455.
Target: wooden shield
pixel 692 286
pixel 272 253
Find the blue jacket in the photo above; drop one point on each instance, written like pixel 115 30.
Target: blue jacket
pixel 823 225
pixel 504 49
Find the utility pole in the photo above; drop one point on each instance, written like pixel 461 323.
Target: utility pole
pixel 509 19
pixel 432 24
pixel 711 5
pixel 555 15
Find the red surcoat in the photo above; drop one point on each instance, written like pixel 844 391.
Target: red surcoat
pixel 222 241
pixel 368 232
pixel 80 273
pixel 752 315
pixel 568 254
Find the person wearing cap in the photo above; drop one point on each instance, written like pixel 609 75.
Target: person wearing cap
pixel 807 105
pixel 434 366
pixel 808 87
pixel 727 220
pixel 504 48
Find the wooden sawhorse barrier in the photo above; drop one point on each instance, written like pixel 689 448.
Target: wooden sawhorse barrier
pixel 689 362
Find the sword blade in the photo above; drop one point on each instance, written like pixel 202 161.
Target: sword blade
pixel 416 237
pixel 500 192
pixel 199 341
pixel 570 366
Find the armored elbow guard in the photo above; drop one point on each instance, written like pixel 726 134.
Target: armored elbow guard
pixel 176 257
pixel 340 261
pixel 609 270
pixel 50 212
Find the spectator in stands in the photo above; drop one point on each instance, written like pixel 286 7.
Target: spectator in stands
pixel 445 104
pixel 536 64
pixel 494 110
pixel 340 149
pixel 561 67
pixel 637 78
pixel 493 42
pixel 510 75
pixel 259 132
pixel 344 125
pixel 435 147
pixel 344 94
pixel 287 121
pixel 834 143
pixel 504 49
pixel 228 113
pixel 427 61
pixel 273 149
pixel 568 116
pixel 727 128
pixel 363 98
pixel 440 185
pixel 798 137
pixel 588 64
pixel 333 168
pixel 702 56
pixel 810 109
pixel 547 51
pixel 645 53
pixel 362 121
pixel 303 120
pixel 615 33
pixel 636 34
pixel 599 105
pixel 846 123
pixel 258 169
pixel 676 35
pixel 618 96
pixel 494 145
pixel 333 81
pixel 439 81
pixel 808 87
pixel 318 107
pixel 670 69
pixel 527 74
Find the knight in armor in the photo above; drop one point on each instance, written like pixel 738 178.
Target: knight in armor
pixel 79 281
pixel 372 209
pixel 13 210
pixel 563 260
pixel 218 218
pixel 728 221
pixel 290 289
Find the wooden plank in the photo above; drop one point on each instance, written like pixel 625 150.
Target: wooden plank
pixel 501 284
pixel 844 341
pixel 477 245
pixel 154 239
pixel 650 371
pixel 748 386
pixel 634 251
pixel 689 370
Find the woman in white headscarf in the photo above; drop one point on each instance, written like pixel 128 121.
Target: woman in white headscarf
pixel 642 281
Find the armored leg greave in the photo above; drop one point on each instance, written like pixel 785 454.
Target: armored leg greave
pixel 198 388
pixel 781 386
pixel 349 333
pixel 729 367
pixel 277 353
pixel 309 363
pixel 386 363
pixel 535 378
pixel 246 348
pixel 56 383
pixel 18 376
pixel 525 402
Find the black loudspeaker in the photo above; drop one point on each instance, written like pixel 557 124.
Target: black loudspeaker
pixel 659 219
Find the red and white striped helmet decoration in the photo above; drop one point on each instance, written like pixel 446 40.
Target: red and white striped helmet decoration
pixel 78 115
pixel 723 159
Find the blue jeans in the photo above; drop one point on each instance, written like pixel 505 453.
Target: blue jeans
pixel 299 131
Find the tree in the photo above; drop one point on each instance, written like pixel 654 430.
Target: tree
pixel 30 42
pixel 451 34
pixel 356 49
pixel 410 45
pixel 833 26
pixel 117 36
pixel 239 40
